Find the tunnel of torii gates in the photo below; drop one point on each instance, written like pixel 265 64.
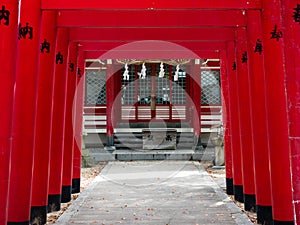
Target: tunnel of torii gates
pixel 44 45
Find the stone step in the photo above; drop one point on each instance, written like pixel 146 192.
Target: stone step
pixel 129 146
pixel 94 145
pixel 128 138
pixel 135 140
pixel 185 140
pixel 140 147
pixel 129 141
pixel 184 146
pixel 96 155
pixel 186 134
pixel 129 134
pixel 127 155
pixel 138 135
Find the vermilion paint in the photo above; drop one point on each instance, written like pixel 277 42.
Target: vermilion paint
pixel 196 76
pixel 167 4
pixel 69 124
pixel 256 81
pixel 24 113
pixel 43 121
pixel 58 121
pixel 109 105
pixel 292 68
pixel 234 123
pixel 78 105
pixel 245 121
pixel 276 105
pixel 226 122
pixel 8 61
pixel 196 98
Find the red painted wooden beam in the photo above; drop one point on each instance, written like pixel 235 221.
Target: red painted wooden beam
pixel 151 4
pixel 151 18
pixel 150 45
pixel 151 54
pixel 133 34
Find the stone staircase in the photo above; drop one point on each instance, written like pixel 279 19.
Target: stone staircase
pixel 129 146
pixel 185 140
pixel 128 141
pixel 134 141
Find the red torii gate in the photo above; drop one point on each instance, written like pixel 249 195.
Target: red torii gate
pixel 151 18
pixel 194 46
pixel 272 50
pixel 168 4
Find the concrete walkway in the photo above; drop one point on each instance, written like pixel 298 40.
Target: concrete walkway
pixel 153 192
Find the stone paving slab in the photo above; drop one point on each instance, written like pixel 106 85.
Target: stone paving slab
pixel 153 192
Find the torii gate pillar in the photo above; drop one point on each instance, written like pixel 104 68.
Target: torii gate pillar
pixel 24 113
pixel 79 104
pixel 40 180
pixel 276 104
pixel 58 121
pixel 69 124
pixel 259 118
pixel 196 98
pixel 110 97
pixel 245 121
pixel 226 122
pixel 8 59
pixel 291 18
pixel 234 124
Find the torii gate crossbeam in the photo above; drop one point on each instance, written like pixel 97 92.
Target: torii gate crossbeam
pixel 152 18
pixel 135 34
pixel 150 4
